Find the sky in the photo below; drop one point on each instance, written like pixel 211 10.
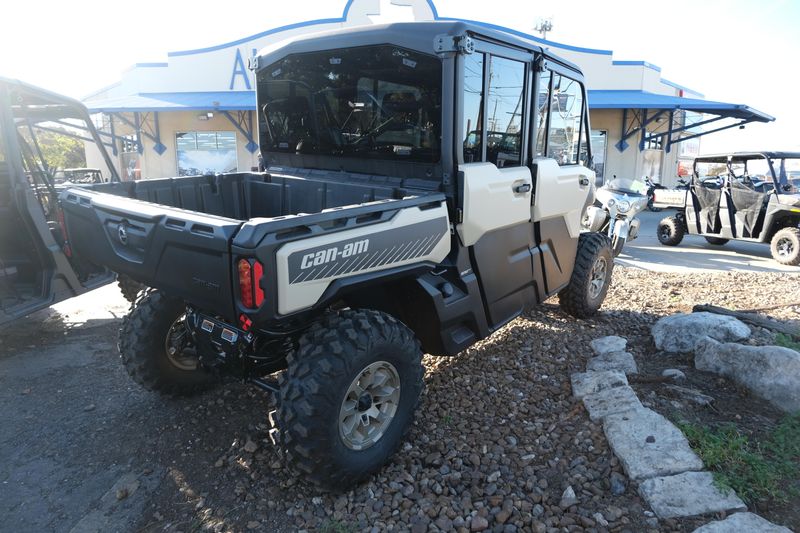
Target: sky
pixel 740 51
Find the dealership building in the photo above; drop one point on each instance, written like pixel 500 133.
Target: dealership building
pixel 196 112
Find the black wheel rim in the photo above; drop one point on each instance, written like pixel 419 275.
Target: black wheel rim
pixel 178 348
pixel 784 247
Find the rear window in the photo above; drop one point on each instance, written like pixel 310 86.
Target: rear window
pixel 372 102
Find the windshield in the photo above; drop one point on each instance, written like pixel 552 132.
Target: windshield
pixel 380 102
pixel 627 186
pixel 787 170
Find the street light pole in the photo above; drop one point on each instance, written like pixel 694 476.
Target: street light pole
pixel 544 25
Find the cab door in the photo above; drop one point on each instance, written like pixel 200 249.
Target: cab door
pixel 494 184
pixel 564 185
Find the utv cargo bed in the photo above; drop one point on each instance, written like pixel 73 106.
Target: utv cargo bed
pixel 184 234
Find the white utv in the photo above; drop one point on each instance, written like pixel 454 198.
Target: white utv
pixel 392 220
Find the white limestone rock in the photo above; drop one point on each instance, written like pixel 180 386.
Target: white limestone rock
pixel 771 372
pixel 680 333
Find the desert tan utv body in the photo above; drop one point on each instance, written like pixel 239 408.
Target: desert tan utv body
pixel 392 220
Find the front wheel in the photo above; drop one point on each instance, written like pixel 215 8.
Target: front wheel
pixel 785 246
pixel 716 241
pixel 156 347
pixel 591 276
pixel 671 231
pixel 348 396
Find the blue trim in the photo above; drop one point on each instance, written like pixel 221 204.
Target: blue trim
pixel 158 146
pixel 529 36
pixel 294 26
pixel 673 84
pixel 246 133
pixel 637 64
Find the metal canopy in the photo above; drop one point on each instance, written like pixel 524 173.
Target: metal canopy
pixel 645 100
pixel 669 114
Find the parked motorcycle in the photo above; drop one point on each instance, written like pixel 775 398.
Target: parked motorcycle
pixel 620 200
pixel 651 192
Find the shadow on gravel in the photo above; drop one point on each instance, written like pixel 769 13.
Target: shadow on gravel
pixel 497 434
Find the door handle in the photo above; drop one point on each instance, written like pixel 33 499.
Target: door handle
pixel 584 181
pixel 521 189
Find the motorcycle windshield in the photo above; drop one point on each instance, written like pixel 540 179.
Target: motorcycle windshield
pixel 631 187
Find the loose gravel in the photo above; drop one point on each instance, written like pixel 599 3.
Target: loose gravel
pixel 499 443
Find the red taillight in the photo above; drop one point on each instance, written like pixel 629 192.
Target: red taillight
pixel 258 273
pixel 246 283
pixel 250 283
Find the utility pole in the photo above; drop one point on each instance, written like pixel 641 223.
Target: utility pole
pixel 544 25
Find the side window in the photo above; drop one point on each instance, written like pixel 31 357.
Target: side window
pixel 566 108
pixel 543 108
pixel 504 105
pixel 473 102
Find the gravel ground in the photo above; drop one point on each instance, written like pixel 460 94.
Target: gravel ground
pixel 497 444
pixel 498 438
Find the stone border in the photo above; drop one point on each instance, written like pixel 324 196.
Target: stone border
pixel 651 449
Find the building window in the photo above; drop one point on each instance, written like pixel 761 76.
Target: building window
pixel 566 111
pixel 206 152
pixel 654 143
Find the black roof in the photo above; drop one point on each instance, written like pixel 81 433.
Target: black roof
pixel 417 36
pixel 722 158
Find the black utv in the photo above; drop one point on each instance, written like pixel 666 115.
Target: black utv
pixel 37 266
pixel 745 196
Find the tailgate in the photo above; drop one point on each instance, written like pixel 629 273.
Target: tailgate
pixel 184 253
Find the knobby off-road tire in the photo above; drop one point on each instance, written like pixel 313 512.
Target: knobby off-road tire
pixel 717 241
pixel 591 276
pixel 130 288
pixel 785 246
pixel 144 344
pixel 670 231
pixel 333 356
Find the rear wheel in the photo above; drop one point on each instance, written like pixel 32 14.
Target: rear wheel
pixel 785 246
pixel 156 348
pixel 348 396
pixel 671 231
pixel 716 241
pixel 591 276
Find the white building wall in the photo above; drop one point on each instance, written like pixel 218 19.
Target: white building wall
pixel 223 68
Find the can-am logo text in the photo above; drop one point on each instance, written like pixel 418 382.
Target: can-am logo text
pixel 332 254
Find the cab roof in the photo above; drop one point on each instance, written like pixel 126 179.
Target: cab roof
pixel 723 158
pixel 418 36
